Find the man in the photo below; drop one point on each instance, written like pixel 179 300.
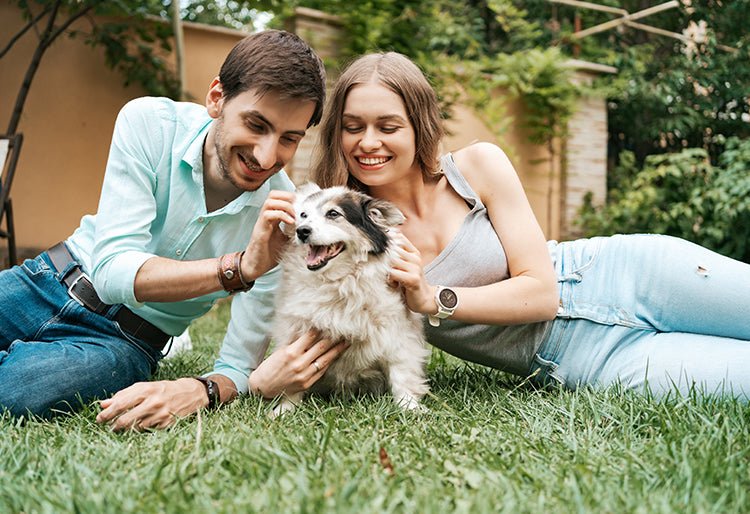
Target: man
pixel 189 213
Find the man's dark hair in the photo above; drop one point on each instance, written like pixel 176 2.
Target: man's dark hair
pixel 275 60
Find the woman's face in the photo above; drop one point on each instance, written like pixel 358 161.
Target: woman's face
pixel 377 138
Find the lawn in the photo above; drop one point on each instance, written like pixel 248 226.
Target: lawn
pixel 487 443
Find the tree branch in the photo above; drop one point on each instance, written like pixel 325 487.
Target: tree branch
pixel 23 31
pixel 69 22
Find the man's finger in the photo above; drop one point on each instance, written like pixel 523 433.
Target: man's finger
pixel 121 402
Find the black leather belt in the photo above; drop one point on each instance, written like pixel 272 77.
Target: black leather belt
pixel 82 290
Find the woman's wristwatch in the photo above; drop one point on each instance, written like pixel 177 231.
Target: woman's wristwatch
pixel 447 301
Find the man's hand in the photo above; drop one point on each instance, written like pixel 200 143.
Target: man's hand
pixel 295 367
pixel 146 405
pixel 267 240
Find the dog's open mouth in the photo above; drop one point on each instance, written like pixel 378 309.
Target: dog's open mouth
pixel 319 256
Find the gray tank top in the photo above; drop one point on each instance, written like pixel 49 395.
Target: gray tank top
pixel 475 257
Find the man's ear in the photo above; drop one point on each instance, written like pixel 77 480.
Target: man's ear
pixel 215 98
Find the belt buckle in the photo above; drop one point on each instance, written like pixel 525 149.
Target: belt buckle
pixel 73 295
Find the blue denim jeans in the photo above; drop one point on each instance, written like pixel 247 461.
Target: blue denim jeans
pixel 651 313
pixel 54 353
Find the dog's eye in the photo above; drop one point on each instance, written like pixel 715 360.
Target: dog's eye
pixel 333 214
pixel 303 215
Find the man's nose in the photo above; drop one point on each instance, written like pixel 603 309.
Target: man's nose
pixel 264 152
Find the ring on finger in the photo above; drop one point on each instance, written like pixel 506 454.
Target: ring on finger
pixel 316 365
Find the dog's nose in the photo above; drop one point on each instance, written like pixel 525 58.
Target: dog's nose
pixel 303 233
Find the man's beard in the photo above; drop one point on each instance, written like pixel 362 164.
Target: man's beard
pixel 224 157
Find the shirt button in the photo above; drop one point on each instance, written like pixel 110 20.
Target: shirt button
pixel 179 252
pixel 201 219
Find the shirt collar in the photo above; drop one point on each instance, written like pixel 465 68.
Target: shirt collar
pixel 193 157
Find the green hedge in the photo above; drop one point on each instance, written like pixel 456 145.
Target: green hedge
pixel 680 194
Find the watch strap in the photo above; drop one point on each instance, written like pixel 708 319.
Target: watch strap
pixel 212 391
pixel 443 312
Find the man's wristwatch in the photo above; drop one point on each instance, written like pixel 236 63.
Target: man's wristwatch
pixel 212 390
pixel 447 301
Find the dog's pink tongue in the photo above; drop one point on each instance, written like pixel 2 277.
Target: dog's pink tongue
pixel 316 255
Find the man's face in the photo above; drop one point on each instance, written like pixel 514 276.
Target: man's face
pixel 255 136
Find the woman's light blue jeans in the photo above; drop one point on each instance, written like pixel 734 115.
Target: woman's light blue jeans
pixel 54 353
pixel 651 313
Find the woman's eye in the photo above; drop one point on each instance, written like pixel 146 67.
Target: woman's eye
pixel 332 214
pixel 389 130
pixel 352 129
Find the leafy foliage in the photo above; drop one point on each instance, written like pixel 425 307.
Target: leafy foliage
pixel 681 194
pixel 472 47
pixel 536 77
pixel 133 44
pixel 670 94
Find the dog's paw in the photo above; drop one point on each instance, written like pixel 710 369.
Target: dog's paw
pixel 411 404
pixel 286 404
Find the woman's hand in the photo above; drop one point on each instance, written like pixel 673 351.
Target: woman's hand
pixel 407 273
pixel 295 367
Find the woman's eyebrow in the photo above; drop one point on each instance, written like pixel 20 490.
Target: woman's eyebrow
pixel 384 117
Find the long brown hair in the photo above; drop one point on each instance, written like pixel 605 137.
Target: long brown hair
pixel 403 77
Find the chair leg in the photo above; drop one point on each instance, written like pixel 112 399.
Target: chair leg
pixel 11 234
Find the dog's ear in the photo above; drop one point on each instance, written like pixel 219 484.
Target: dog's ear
pixel 384 213
pixel 307 189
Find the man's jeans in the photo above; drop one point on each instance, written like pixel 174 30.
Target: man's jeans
pixel 54 353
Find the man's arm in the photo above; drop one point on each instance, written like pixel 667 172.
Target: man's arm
pixel 159 404
pixel 166 280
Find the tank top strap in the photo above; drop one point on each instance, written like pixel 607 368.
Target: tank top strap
pixel 458 181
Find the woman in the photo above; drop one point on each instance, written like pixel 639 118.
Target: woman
pixel 646 311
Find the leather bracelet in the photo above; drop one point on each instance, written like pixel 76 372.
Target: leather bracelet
pixel 212 391
pixel 230 273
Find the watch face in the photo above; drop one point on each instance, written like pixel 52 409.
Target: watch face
pixel 448 298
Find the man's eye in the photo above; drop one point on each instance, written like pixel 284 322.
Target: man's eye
pixel 333 214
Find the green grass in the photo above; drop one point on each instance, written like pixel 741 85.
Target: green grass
pixel 487 443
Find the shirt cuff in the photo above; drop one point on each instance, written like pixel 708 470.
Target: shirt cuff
pixel 115 280
pixel 238 377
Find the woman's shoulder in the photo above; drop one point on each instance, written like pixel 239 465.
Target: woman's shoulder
pixel 482 162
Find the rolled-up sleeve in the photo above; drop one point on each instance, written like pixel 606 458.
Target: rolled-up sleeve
pixel 247 338
pixel 129 187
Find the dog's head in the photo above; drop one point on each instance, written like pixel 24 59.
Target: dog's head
pixel 338 221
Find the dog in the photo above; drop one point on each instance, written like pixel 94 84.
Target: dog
pixel 335 281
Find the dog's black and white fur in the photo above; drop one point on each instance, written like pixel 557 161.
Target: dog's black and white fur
pixel 335 281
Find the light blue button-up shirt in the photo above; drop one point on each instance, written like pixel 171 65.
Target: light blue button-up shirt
pixel 153 203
